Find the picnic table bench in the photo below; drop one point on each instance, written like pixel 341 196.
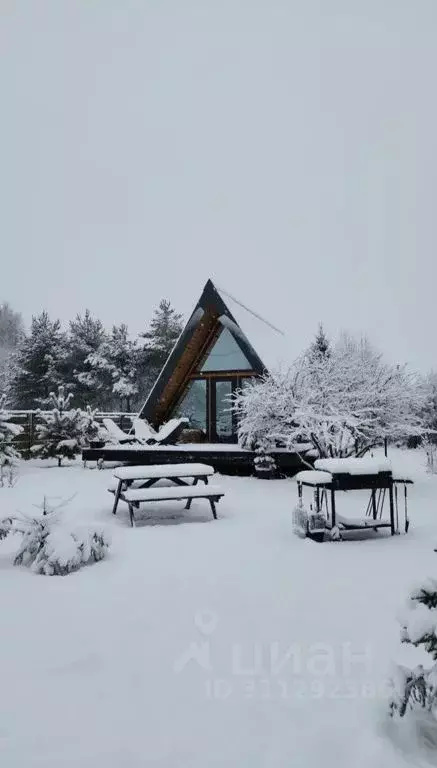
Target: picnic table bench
pixel 134 485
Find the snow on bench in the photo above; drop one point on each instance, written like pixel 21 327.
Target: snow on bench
pixel 146 476
pixel 166 494
pixel 135 496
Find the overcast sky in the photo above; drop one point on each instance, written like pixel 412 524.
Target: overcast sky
pixel 287 150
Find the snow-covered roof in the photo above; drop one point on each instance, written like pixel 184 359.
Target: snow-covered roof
pixel 352 466
pixel 270 343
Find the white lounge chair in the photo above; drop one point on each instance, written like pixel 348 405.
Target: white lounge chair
pixel 116 434
pixel 170 431
pixel 143 431
pixel 144 434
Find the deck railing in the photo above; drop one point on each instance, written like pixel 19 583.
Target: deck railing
pixel 29 420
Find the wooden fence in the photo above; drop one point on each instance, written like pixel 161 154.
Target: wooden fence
pixel 29 421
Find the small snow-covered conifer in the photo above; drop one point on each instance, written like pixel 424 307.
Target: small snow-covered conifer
pixel 417 686
pixel 9 455
pixel 59 431
pixel 90 427
pixel 51 549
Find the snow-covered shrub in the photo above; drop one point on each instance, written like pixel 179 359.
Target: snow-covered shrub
pixel 58 552
pixel 48 548
pixel 90 427
pixel 264 463
pixel 8 474
pixel 9 456
pixel 300 518
pixel 430 447
pixel 417 687
pixel 342 403
pixel 59 431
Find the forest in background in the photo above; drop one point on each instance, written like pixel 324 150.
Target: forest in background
pixel 104 369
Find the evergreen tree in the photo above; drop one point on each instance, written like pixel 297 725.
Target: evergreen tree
pixel 39 363
pixel 60 431
pixel 11 327
pixel 165 328
pixel 114 368
pixel 86 335
pixel 321 346
pixel 8 453
pixel 90 429
pixel 418 685
pixel 48 547
pixel 11 334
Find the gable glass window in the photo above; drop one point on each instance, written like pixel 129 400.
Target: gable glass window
pixel 225 355
pixel 193 405
pixel 224 420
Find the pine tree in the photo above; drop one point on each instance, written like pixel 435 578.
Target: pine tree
pixel 264 463
pixel 60 431
pixel 11 327
pixel 11 335
pixel 39 363
pixel 86 336
pixel 418 685
pixel 165 328
pixel 114 368
pixel 91 428
pixel 48 547
pixel 321 346
pixel 9 455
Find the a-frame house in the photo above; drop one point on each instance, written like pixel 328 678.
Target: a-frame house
pixel 212 357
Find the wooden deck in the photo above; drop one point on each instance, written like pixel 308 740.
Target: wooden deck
pixel 226 459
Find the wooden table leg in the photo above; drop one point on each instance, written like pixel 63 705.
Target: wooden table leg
pixel 211 501
pixel 117 497
pixel 131 515
pixel 188 504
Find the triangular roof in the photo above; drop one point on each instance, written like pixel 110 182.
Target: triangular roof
pixel 259 341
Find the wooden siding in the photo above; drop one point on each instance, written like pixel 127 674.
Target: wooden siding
pixel 186 365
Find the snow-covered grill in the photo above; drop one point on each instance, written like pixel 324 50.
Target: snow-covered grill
pixel 331 475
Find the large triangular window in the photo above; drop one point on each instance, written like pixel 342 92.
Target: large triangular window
pixel 225 355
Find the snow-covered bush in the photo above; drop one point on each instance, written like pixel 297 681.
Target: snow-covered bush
pixel 90 427
pixel 417 687
pixel 265 464
pixel 48 548
pixel 343 402
pixel 59 432
pixel 58 552
pixel 430 447
pixel 9 456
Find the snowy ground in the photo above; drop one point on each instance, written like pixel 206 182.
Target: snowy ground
pixel 201 643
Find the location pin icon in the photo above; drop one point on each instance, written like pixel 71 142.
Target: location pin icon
pixel 206 622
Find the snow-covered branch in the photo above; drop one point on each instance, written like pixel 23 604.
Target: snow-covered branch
pixel 342 403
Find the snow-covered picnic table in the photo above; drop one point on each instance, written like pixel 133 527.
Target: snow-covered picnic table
pixel 134 485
